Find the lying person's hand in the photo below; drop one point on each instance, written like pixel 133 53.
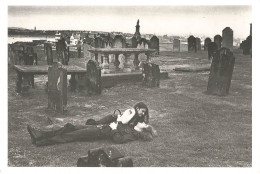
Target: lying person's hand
pixel 140 126
pixel 113 125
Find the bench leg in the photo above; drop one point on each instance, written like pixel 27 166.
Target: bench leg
pixel 73 82
pixel 32 80
pixel 19 82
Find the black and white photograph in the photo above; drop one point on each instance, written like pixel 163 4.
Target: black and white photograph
pixel 129 85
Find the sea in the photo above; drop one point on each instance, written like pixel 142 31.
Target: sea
pixel 13 39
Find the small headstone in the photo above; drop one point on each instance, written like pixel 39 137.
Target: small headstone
pixel 79 49
pixel 192 44
pixel 48 52
pixel 119 42
pixel 154 44
pixel 183 47
pixel 212 48
pixel 12 55
pixel 198 44
pixel 62 51
pixel 134 42
pixel 221 72
pixel 218 41
pixel 151 75
pixel 93 77
pixel 57 87
pixel 176 45
pixel 247 45
pixel 206 43
pixel 99 42
pixel 227 38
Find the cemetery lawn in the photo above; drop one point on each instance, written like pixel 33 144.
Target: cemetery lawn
pixel 195 129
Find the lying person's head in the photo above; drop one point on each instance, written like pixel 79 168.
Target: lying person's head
pixel 141 109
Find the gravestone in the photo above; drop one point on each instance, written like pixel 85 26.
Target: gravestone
pixel 198 44
pixel 57 87
pixel 21 55
pixel 176 45
pixel 192 44
pixel 79 49
pixel 154 44
pixel 48 53
pixel 221 72
pixel 134 42
pixel 62 50
pixel 247 45
pixel 218 41
pixel 212 48
pixel 206 43
pixel 227 38
pixel 12 55
pixel 32 56
pixel 119 42
pixel 58 50
pixel 99 42
pixel 108 41
pixel 151 75
pixel 183 47
pixel 93 77
pixel 87 55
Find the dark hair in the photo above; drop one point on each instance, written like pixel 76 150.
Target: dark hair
pixel 144 118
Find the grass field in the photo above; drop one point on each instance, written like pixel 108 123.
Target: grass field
pixel 195 129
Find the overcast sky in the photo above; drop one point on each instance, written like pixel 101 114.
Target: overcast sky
pixel 171 20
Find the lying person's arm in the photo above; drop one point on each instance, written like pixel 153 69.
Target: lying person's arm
pixel 123 133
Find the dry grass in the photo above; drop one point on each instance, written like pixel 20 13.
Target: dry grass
pixel 195 129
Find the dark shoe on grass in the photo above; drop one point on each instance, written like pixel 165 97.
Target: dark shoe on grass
pixel 91 122
pixel 34 133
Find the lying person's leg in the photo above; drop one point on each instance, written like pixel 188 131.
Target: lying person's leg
pixel 88 133
pixel 106 120
pixel 37 134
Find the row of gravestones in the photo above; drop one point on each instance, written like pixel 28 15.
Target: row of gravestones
pixel 21 55
pixel 62 52
pixel 120 42
pixel 57 82
pixel 246 46
pixel 218 84
pixel 194 44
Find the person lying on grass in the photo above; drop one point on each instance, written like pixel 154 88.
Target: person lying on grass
pixel 131 125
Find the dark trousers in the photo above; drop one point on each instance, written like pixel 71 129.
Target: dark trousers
pixel 107 119
pixel 71 133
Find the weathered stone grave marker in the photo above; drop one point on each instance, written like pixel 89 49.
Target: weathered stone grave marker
pixel 206 43
pixel 48 53
pixel 227 38
pixel 192 44
pixel 57 87
pixel 212 48
pixel 32 56
pixel 221 72
pixel 218 41
pixel 151 75
pixel 62 50
pixel 176 45
pixel 247 46
pixel 93 77
pixel 198 44
pixel 154 44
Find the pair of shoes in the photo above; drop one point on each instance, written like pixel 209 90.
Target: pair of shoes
pixel 91 122
pixel 34 133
